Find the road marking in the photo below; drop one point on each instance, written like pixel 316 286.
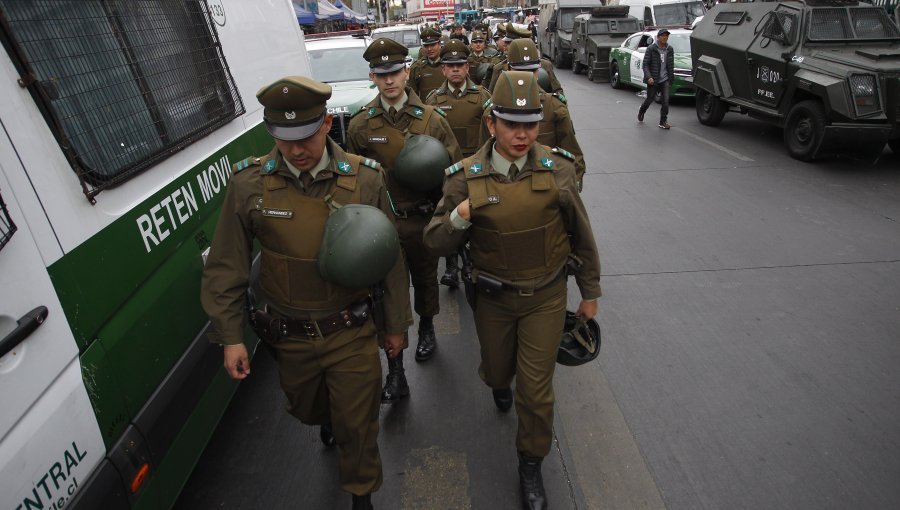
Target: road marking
pixel 726 150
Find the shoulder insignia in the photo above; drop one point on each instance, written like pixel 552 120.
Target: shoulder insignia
pixel 487 104
pixel 475 169
pixel 372 111
pixel 371 163
pixel 244 164
pixel 417 112
pixel 547 163
pixel 474 88
pixel 568 155
pixel 344 167
pixel 440 111
pixel 269 167
pixel 456 167
pixel 561 96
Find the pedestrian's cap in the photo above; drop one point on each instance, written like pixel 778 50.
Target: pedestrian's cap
pixel 522 55
pixel 385 56
pixel 294 107
pixel 517 97
pixel 455 51
pixel 662 31
pixel 477 35
pixel 514 32
pixel 430 35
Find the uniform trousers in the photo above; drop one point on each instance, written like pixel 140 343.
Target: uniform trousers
pixel 519 337
pixel 422 265
pixel 337 380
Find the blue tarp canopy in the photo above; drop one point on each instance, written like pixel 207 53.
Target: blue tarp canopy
pixel 354 16
pixel 304 17
pixel 330 12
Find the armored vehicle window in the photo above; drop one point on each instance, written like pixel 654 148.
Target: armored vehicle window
pixel 627 26
pixel 598 27
pixel 780 27
pixel 122 85
pixel 729 18
pixel 567 19
pixel 840 24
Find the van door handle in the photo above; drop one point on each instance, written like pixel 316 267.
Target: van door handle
pixel 25 327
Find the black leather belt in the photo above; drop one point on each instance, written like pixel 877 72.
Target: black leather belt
pixel 353 316
pixel 491 289
pixel 423 209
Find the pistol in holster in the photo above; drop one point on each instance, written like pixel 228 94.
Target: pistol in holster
pixel 466 273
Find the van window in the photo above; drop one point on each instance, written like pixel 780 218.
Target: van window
pixel 679 14
pixel 122 85
pixel 648 17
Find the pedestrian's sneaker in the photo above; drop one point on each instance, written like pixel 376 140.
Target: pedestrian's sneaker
pixel 664 125
pixel 640 116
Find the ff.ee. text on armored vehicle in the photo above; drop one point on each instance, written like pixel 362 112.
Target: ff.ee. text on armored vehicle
pixel 827 71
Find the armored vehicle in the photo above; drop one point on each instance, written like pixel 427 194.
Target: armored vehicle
pixel 555 28
pixel 595 34
pixel 827 71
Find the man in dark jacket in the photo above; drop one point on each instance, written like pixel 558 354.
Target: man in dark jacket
pixel 659 72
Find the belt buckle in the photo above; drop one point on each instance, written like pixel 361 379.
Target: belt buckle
pixel 526 293
pixel 312 329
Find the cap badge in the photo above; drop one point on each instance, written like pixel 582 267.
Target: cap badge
pixel 547 162
pixel 284 90
pixel 454 53
pixel 526 57
pixel 290 115
pixel 475 168
pixel 343 166
pixel 521 102
pixel 384 57
pixel 521 82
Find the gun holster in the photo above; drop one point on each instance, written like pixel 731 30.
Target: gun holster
pixel 266 326
pixel 488 284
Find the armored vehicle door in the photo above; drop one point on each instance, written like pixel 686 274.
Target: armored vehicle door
pixel 770 50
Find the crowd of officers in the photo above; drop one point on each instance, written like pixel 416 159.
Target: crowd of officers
pixel 509 204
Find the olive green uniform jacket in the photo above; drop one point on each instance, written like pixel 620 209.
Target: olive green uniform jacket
pixel 425 76
pixel 226 275
pixel 463 113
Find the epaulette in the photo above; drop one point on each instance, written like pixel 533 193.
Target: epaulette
pixel 474 88
pixel 456 167
pixel 562 152
pixel 244 164
pixel 561 96
pixel 361 109
pixel 371 163
pixel 487 104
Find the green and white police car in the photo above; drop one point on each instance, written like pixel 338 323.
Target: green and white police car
pixel 625 61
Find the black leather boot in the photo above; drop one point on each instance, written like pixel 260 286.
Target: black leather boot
pixel 427 339
pixel 395 385
pixel 326 434
pixel 532 483
pixel 363 502
pixel 503 398
pixel 451 274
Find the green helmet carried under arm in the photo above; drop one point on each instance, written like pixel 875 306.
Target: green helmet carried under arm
pixel 421 163
pixel 543 79
pixel 359 247
pixel 580 341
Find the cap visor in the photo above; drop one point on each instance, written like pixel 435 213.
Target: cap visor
pixel 389 67
pixel 525 67
pixel 454 60
pixel 518 117
pixel 298 132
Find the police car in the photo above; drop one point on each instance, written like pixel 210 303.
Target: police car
pixel 625 61
pixel 338 61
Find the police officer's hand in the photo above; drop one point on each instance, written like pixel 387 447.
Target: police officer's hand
pixel 587 309
pixel 393 344
pixel 237 363
pixel 463 210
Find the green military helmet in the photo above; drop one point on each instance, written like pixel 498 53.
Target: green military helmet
pixel 517 97
pixel 543 79
pixel 421 163
pixel 580 341
pixel 359 247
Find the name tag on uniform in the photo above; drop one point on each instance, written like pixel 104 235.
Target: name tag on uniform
pixel 278 213
pixel 493 199
pixel 378 139
pixel 445 107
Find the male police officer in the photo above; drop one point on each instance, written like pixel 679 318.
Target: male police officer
pixel 513 33
pixel 425 73
pixel 555 129
pixel 463 102
pixel 379 131
pixel 323 334
pixel 516 202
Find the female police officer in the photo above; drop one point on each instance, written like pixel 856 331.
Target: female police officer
pixel 517 204
pixel 323 333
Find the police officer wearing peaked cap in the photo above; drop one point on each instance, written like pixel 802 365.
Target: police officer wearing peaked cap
pixel 496 200
pixel 379 131
pixel 323 334
pixel 513 33
pixel 425 73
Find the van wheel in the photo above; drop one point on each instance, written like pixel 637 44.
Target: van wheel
pixel 615 81
pixel 559 60
pixel 590 68
pixel 710 109
pixel 804 129
pixel 895 145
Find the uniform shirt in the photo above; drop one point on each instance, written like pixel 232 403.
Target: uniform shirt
pixel 323 163
pixel 443 238
pixel 226 275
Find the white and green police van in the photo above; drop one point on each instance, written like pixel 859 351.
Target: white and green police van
pixel 119 122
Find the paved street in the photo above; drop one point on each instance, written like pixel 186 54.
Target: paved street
pixel 751 339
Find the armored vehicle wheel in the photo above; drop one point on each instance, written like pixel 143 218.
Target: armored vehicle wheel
pixel 615 80
pixel 710 109
pixel 895 145
pixel 559 60
pixel 804 129
pixel 577 66
pixel 590 68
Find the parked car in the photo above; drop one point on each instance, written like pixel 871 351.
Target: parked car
pixel 625 62
pixel 824 70
pixel 338 61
